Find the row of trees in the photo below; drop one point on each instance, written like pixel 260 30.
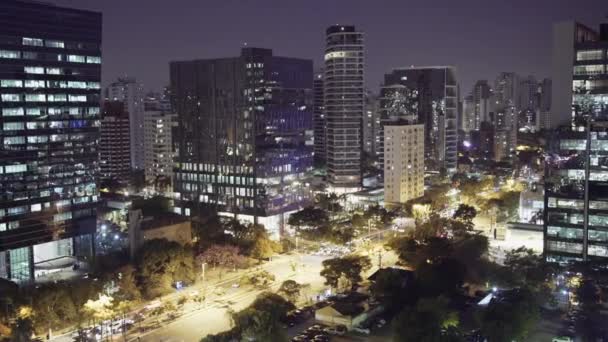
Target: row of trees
pixel 448 257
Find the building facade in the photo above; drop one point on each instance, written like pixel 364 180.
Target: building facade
pixel 403 162
pixel 344 102
pixel 159 123
pixel 131 93
pixel 114 143
pixel 370 124
pixel 50 72
pixel 319 121
pixel 244 135
pixel 431 93
pixel 576 180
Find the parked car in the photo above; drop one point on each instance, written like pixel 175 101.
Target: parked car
pixel 562 339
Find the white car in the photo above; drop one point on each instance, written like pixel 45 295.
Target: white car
pixel 562 339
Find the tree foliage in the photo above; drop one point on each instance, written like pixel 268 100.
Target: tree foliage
pixel 290 289
pixel 349 267
pixel 161 263
pixel 512 319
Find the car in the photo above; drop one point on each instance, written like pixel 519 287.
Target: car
pixel 321 338
pixel 364 331
pixel 299 338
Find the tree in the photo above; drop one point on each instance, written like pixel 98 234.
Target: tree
pixel 510 319
pixel 443 277
pixel 389 289
pixel 412 325
pixel 52 308
pixel 161 263
pixel 101 309
pixel 526 268
pixel 225 255
pixel 272 303
pixel 22 330
pixel 263 247
pixel 291 290
pixel 261 279
pixel 151 206
pixel 255 325
pixel 465 212
pixel 127 284
pixel 308 217
pixel 349 267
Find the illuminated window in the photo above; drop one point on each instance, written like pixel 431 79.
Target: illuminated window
pixel 11 97
pixel 9 54
pixel 93 60
pixel 76 59
pixel 15 168
pixel 78 98
pixel 12 111
pixel 33 111
pixel 77 85
pixel 57 98
pixel 54 71
pixel 35 84
pixel 589 55
pixel 55 44
pixel 32 42
pixel 35 98
pixel 33 70
pixel 11 83
pixel 12 126
pixel 36 207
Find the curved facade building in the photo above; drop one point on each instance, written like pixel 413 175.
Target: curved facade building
pixel 344 101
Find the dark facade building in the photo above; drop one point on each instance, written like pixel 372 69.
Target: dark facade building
pixel 114 143
pixel 320 123
pixel 344 106
pixel 50 71
pixel 432 94
pixel 576 180
pixel 244 135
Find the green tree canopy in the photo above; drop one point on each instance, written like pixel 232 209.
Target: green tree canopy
pixel 349 267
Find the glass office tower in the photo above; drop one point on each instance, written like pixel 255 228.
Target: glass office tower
pixel 50 71
pixel 244 135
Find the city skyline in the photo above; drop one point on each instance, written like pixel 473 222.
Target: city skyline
pixel 396 34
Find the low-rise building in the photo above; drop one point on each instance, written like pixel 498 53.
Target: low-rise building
pixel 349 311
pixel 168 226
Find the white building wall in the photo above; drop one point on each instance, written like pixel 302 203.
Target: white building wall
pixel 403 162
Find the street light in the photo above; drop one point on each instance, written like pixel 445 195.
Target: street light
pixel 203 267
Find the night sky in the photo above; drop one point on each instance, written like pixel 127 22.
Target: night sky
pixel 480 38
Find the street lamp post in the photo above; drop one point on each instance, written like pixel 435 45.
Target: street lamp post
pixel 203 267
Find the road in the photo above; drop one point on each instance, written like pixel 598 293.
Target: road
pixel 214 318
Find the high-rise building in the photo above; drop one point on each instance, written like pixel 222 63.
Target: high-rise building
pixel 159 122
pixel 403 162
pixel 131 93
pixel 506 90
pixel 576 202
pixel 576 183
pixel 344 105
pixel 432 94
pixel 469 121
pixel 544 121
pixel 505 126
pixel 370 126
pixel 50 72
pixel 114 143
pixel 244 135
pixel 579 55
pixel 482 99
pixel 320 123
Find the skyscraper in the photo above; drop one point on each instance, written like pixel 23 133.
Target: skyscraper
pixel 370 120
pixel 577 58
pixel 469 119
pixel 50 71
pixel 344 105
pixel 576 180
pixel 432 93
pixel 403 161
pixel 159 121
pixel 243 135
pixel 131 93
pixel 482 98
pixel 320 122
pixel 114 143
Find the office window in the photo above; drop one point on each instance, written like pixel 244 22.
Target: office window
pixel 33 111
pixel 78 98
pixel 57 84
pixel 10 54
pixel 32 42
pixel 54 71
pixel 35 98
pixel 14 140
pixel 34 84
pixel 77 85
pixel 33 70
pixel 55 44
pixel 93 85
pixel 76 59
pixel 12 111
pixel 57 98
pixel 11 83
pixel 93 60
pixel 11 97
pixel 589 69
pixel 15 168
pixel 30 55
pixel 589 55
pixel 20 264
pixel 12 126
